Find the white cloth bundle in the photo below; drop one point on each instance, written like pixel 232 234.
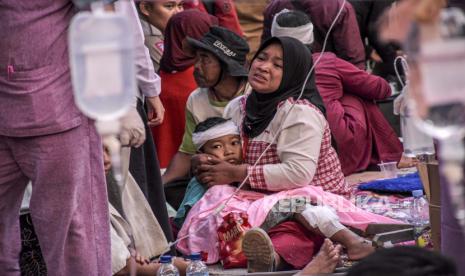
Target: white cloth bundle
pixel 302 33
pixel 227 128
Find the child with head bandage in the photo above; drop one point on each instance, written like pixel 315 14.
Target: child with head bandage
pixel 217 137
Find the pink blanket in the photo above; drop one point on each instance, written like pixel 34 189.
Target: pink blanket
pixel 201 224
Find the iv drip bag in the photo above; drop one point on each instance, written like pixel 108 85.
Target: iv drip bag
pixel 442 65
pixel 101 51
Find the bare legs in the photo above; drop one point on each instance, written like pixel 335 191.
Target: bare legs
pixel 356 246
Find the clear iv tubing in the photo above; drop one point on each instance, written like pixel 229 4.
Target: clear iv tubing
pixel 423 157
pixel 404 64
pixel 222 206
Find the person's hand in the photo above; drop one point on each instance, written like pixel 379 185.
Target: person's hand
pixel 375 57
pixel 156 111
pixel 132 129
pixel 407 162
pixel 141 259
pixel 200 159
pixel 218 172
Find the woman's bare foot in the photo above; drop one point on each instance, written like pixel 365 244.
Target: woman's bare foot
pixel 325 261
pixel 359 250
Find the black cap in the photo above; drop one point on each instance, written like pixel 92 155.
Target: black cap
pixel 227 46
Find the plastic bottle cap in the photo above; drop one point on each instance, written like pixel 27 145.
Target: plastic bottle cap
pixel 195 257
pixel 417 193
pixel 165 259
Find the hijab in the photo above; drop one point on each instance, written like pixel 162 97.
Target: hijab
pixel 192 23
pixel 261 108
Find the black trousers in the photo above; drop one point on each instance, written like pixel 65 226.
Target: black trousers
pixel 145 169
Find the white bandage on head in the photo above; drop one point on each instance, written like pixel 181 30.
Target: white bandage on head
pixel 302 33
pixel 324 218
pixel 226 128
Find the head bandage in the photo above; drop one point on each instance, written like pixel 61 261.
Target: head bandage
pixel 303 33
pixel 226 128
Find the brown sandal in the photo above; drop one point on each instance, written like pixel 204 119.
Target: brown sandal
pixel 259 251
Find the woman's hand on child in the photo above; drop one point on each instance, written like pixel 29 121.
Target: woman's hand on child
pixel 218 172
pixel 198 160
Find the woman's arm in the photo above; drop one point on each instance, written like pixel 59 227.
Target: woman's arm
pixel 218 172
pixel 298 148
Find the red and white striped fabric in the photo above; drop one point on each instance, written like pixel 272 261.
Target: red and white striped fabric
pixel 328 174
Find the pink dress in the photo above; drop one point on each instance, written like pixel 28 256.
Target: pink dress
pixel 201 223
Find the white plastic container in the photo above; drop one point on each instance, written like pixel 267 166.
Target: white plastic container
pixel 389 169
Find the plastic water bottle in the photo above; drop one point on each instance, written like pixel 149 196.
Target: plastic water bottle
pixel 167 268
pixel 420 217
pixel 196 267
pixel 420 213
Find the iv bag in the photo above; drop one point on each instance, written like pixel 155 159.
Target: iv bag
pixel 442 67
pixel 101 51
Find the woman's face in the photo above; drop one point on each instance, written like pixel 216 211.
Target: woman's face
pixel 158 12
pixel 266 71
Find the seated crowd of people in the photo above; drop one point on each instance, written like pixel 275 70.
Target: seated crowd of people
pixel 278 113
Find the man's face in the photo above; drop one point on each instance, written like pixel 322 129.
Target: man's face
pixel 207 69
pixel 227 148
pixel 158 12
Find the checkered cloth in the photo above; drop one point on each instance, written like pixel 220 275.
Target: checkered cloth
pixel 328 175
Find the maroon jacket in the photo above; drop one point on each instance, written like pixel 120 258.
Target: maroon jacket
pixel 363 136
pixel 344 41
pixel 224 10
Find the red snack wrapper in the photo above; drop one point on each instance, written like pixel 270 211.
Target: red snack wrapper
pixel 230 234
pixel 204 256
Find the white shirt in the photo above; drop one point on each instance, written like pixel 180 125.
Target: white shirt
pixel 148 81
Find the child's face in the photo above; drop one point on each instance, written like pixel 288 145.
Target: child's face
pixel 106 160
pixel 227 148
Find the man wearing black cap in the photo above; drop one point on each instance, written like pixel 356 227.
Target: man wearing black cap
pixel 221 76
